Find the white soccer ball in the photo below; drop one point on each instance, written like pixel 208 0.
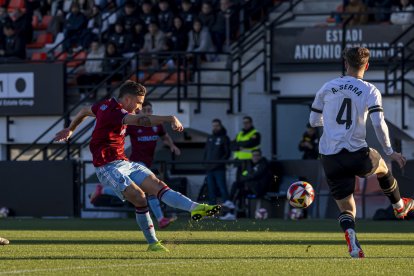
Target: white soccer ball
pixel 4 212
pixel 261 213
pixel 300 194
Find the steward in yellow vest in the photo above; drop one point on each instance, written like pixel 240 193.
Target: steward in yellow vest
pixel 247 140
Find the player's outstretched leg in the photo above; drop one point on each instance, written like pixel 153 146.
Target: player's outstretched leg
pixel 347 222
pixel 155 205
pixel 389 185
pixel 4 241
pixel 179 201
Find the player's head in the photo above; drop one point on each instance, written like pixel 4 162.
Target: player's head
pixel 147 108
pixel 132 95
pixel 356 59
pixel 216 125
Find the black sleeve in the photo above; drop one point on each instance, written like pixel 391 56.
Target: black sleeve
pixel 226 146
pixel 255 141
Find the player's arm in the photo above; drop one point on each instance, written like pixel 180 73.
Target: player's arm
pixel 152 120
pixel 167 140
pixel 65 133
pixel 376 113
pixel 316 117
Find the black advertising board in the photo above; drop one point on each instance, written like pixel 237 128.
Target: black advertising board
pixel 324 44
pixel 31 89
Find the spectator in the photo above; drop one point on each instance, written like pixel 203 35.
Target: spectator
pixel 165 17
pixel 255 180
pixel 23 24
pixel 135 39
pixel 130 15
pixel 112 63
pixel 147 14
pixel 381 9
pixel 86 6
pixel 109 13
pixel 357 7
pixel 92 71
pixel 4 19
pixel 118 37
pixel 406 17
pixel 247 140
pixel 187 14
pixel 199 40
pixel 178 37
pixel 218 30
pixel 309 143
pixel 217 148
pixel 13 46
pixel 154 39
pixel 207 16
pixel 74 24
pixel 96 24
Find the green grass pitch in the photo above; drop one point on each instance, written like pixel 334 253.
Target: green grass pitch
pixel 209 247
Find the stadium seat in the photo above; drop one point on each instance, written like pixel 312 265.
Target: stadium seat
pixel 79 58
pixel 173 78
pixel 39 56
pixel 41 41
pixel 157 78
pixel 43 24
pixel 16 4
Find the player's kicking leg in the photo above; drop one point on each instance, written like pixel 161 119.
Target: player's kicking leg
pixel 347 222
pixel 389 185
pixel 152 185
pixel 4 241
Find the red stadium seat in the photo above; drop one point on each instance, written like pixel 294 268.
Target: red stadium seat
pixel 41 41
pixel 45 22
pixel 173 78
pixel 157 78
pixel 39 56
pixel 79 58
pixel 16 4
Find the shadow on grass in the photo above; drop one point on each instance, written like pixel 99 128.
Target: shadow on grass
pixel 205 259
pixel 211 242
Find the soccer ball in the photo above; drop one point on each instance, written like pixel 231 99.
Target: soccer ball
pixel 300 194
pixel 4 212
pixel 261 213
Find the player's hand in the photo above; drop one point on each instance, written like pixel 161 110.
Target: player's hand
pixel 175 150
pixel 63 135
pixel 399 158
pixel 176 125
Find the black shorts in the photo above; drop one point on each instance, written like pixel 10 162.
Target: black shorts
pixel 341 169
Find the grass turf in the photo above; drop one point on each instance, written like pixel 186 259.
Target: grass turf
pixel 209 247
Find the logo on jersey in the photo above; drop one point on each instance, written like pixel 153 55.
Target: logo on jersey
pixel 155 128
pixel 139 130
pixel 103 107
pixel 148 138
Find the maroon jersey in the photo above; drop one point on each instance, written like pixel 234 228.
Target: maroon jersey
pixel 144 141
pixel 108 137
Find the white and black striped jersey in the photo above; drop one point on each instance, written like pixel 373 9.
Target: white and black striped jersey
pixel 341 106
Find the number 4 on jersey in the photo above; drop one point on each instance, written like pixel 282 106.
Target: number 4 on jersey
pixel 346 104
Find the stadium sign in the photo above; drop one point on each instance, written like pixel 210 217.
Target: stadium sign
pixel 31 89
pixel 324 44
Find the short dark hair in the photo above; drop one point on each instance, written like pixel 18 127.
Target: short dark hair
pixel 147 103
pixel 248 118
pixel 356 57
pixel 217 121
pixel 132 88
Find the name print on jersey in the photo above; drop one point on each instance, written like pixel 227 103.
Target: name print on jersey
pixel 350 87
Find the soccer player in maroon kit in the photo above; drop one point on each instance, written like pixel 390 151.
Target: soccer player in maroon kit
pixel 130 180
pixel 143 144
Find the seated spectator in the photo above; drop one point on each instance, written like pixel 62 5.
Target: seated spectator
pixel 255 180
pixel 4 19
pixel 118 37
pixel 13 46
pixel 207 15
pixel 309 143
pixel 130 15
pixel 135 39
pixel 154 39
pixel 187 14
pixel 199 40
pixel 407 15
pixel 96 24
pixel 178 37
pixel 86 6
pixel 109 13
pixel 218 30
pixel 75 23
pixel 147 14
pixel 91 74
pixel 112 62
pixel 23 24
pixel 166 16
pixel 356 6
